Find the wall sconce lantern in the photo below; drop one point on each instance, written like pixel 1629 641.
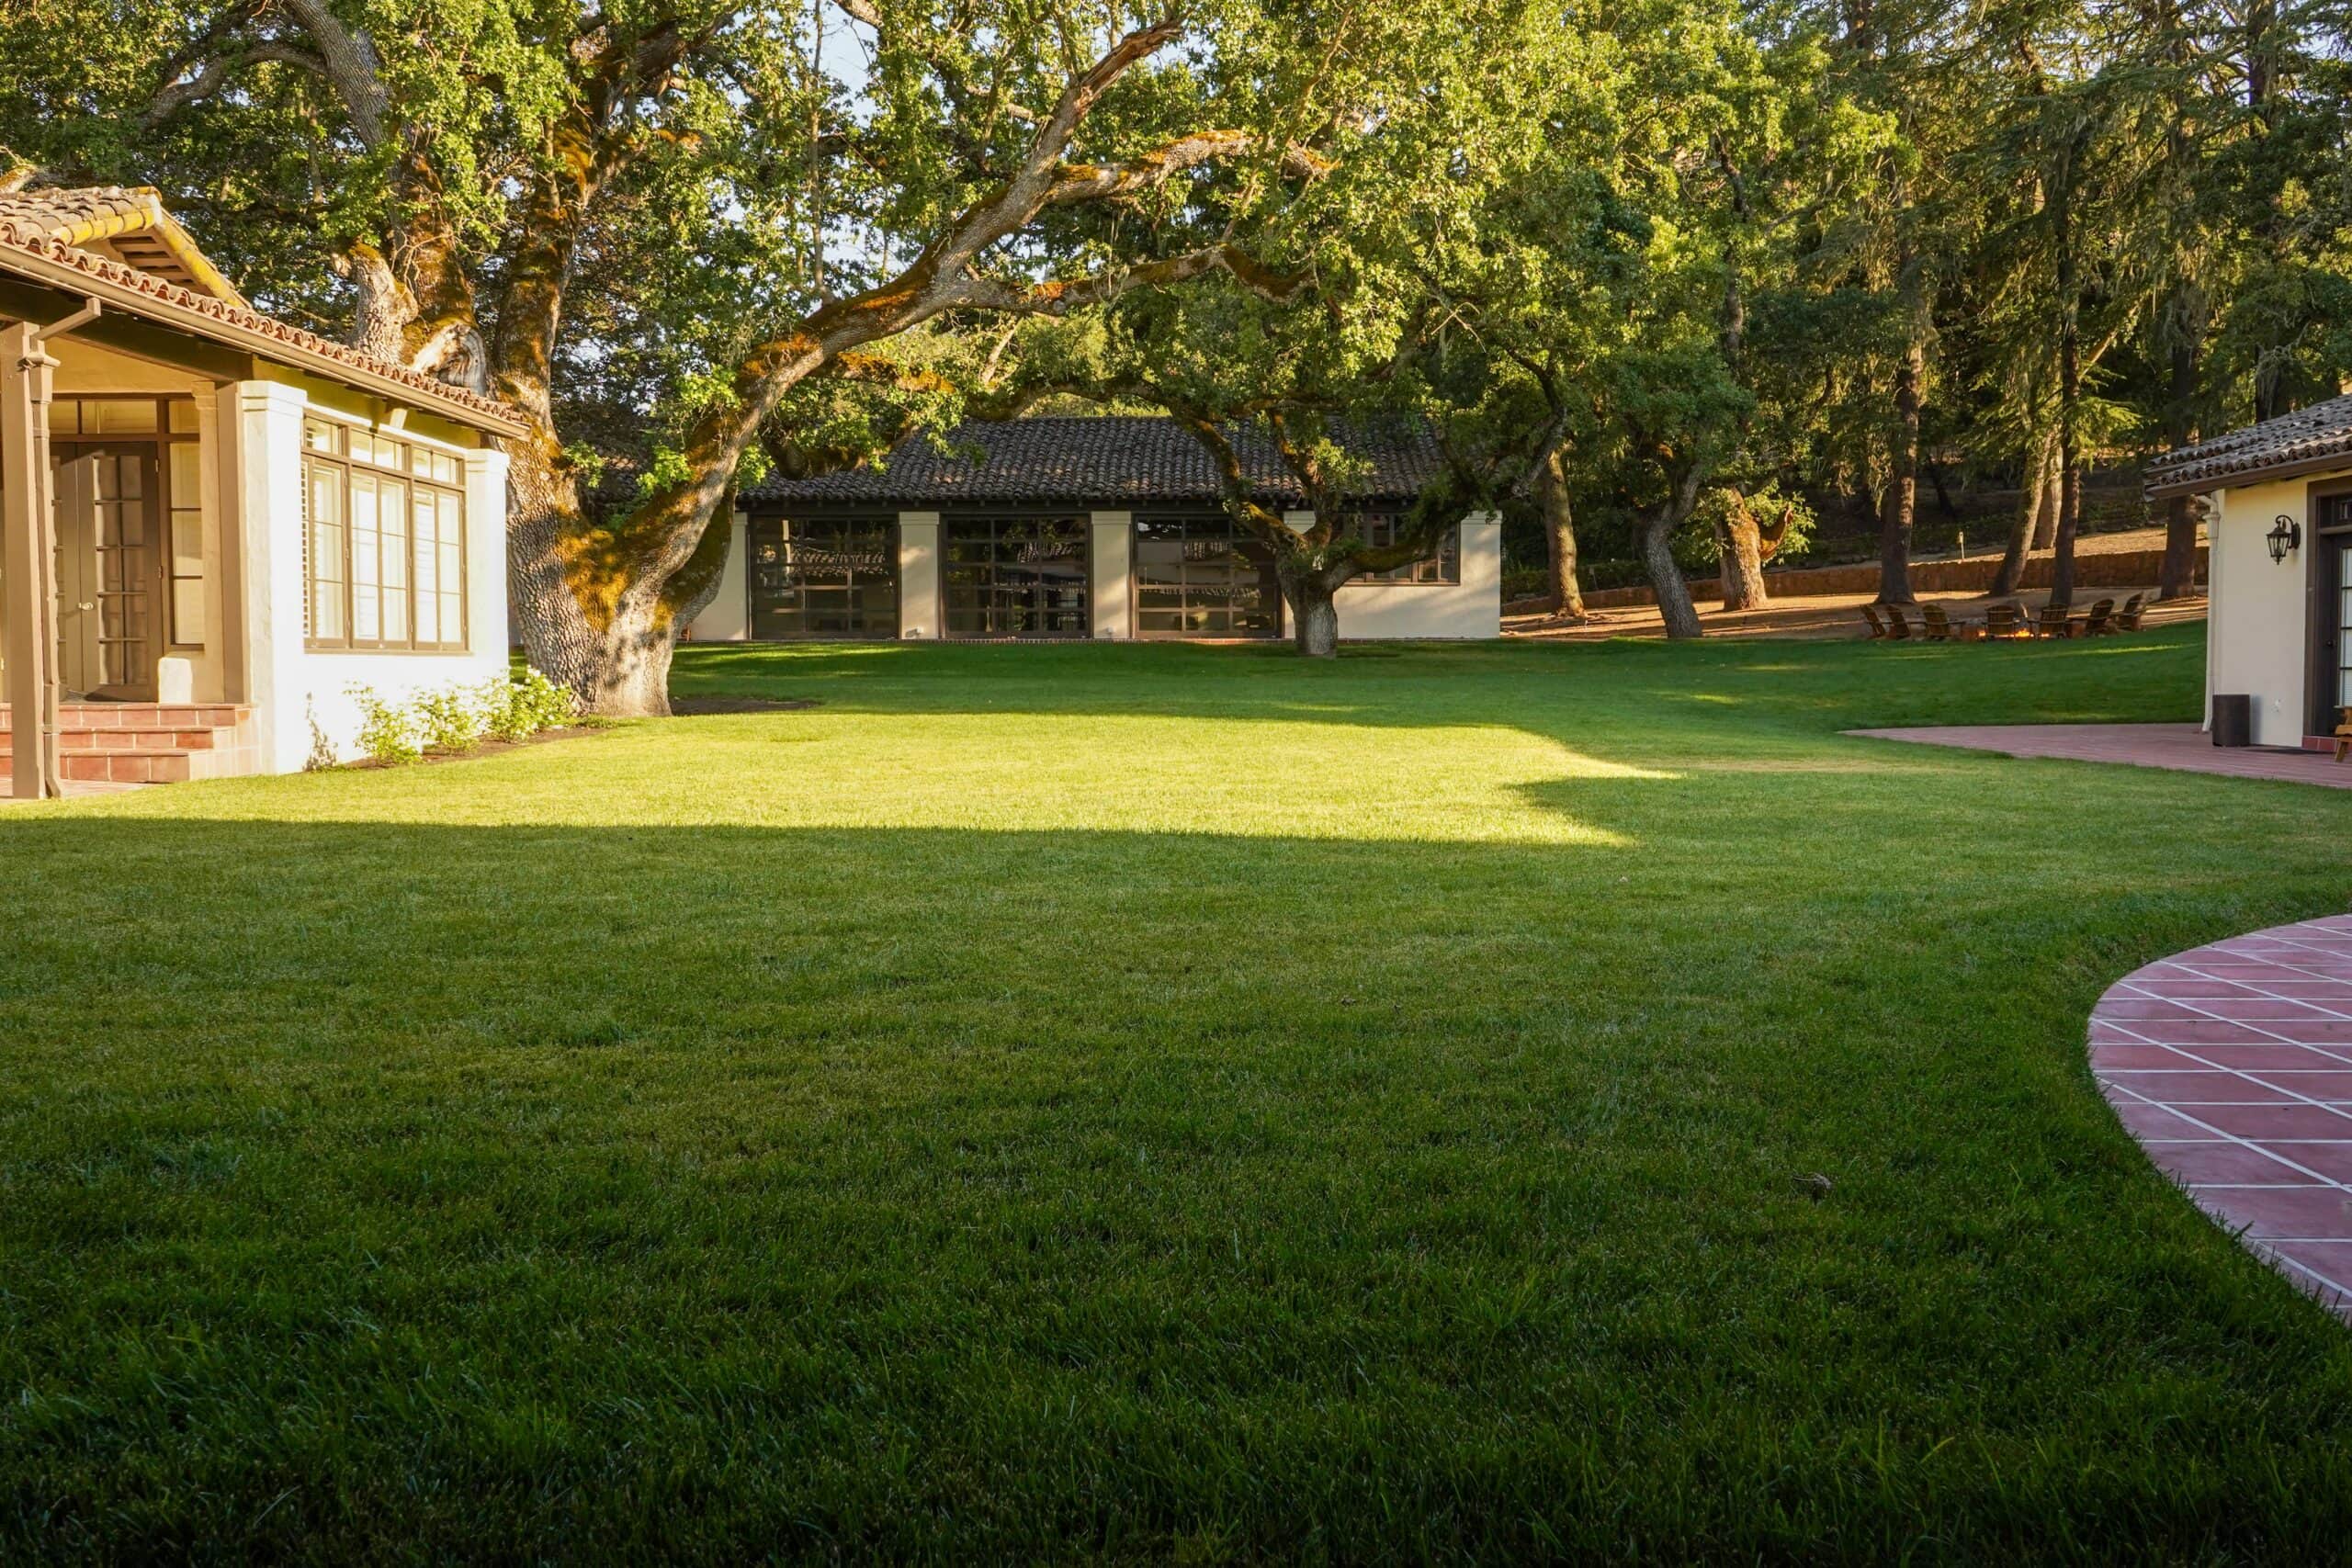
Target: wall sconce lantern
pixel 2285 535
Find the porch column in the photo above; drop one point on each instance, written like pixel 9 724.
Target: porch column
pixel 488 635
pixel 1110 570
pixel 261 452
pixel 28 562
pixel 919 574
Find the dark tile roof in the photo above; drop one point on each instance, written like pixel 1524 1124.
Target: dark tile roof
pixel 2314 437
pixel 1115 460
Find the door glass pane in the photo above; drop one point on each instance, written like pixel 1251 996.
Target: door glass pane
pixel 1201 576
pixel 835 577
pixel 327 553
pixel 366 606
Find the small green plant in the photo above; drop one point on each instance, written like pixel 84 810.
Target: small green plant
pixel 452 718
pixel 527 704
pixel 388 730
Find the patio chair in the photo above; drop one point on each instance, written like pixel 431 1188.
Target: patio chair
pixel 2005 620
pixel 1942 627
pixel 2101 621
pixel 1878 628
pixel 2127 619
pixel 1897 628
pixel 2343 733
pixel 2055 622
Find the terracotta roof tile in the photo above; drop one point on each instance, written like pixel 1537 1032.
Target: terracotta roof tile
pixel 2292 441
pixel 1114 460
pixel 29 234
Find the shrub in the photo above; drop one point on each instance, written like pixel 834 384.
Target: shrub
pixel 524 706
pixel 452 718
pixel 388 730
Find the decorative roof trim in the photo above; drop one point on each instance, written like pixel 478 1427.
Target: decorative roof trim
pixel 30 253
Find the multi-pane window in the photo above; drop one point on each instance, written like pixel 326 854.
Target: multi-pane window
pixel 1202 577
pixel 384 540
pixel 829 577
pixel 1016 577
pixel 1381 529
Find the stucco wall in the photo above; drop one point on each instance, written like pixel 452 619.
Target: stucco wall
pixel 2259 644
pixel 303 708
pixel 1470 608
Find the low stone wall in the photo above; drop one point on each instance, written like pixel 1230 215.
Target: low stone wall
pixel 2128 569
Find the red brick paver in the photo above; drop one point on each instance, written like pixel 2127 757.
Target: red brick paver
pixel 2232 1066
pixel 2181 746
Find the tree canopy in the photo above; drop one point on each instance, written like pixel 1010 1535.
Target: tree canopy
pixel 1627 261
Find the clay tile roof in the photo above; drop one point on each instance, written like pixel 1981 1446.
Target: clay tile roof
pixel 119 224
pixel 1115 459
pixel 29 225
pixel 2315 438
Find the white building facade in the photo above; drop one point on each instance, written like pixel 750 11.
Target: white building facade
pixel 1069 529
pixel 2279 626
pixel 216 524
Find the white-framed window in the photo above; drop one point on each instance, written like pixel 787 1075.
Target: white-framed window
pixel 383 541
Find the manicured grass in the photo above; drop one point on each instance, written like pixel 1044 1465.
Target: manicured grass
pixel 1155 1102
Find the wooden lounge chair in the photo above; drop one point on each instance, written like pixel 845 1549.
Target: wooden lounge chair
pixel 2343 733
pixel 2055 622
pixel 1897 628
pixel 1878 628
pixel 1942 627
pixel 2127 619
pixel 2004 620
pixel 2101 621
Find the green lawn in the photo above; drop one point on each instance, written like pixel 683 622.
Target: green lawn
pixel 1152 1102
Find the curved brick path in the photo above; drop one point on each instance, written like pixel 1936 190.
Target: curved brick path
pixel 2232 1066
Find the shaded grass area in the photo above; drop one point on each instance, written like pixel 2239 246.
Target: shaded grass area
pixel 1155 1101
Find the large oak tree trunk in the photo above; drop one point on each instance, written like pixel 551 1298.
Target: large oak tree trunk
pixel 2070 393
pixel 1311 594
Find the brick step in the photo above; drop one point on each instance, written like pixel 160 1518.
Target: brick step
pixel 134 740
pixel 144 716
pixel 125 767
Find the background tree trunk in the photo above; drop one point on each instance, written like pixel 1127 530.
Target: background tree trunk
pixel 1903 493
pixel 1682 616
pixel 2036 508
pixel 2047 501
pixel 2178 579
pixel 2070 387
pixel 1740 543
pixel 1559 531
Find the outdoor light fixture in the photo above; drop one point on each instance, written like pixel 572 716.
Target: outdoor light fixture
pixel 2285 535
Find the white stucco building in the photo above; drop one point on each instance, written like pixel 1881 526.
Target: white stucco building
pixel 1109 528
pixel 216 523
pixel 2281 579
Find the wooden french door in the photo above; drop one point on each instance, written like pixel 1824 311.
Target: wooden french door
pixel 109 570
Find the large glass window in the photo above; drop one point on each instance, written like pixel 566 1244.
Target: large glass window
pixel 383 541
pixel 1201 576
pixel 1381 530
pixel 829 577
pixel 1016 577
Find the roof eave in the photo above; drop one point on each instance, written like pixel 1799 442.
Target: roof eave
pixel 2164 490
pixel 131 301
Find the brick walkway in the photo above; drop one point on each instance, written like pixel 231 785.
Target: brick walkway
pixel 2232 1066
pixel 2179 746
